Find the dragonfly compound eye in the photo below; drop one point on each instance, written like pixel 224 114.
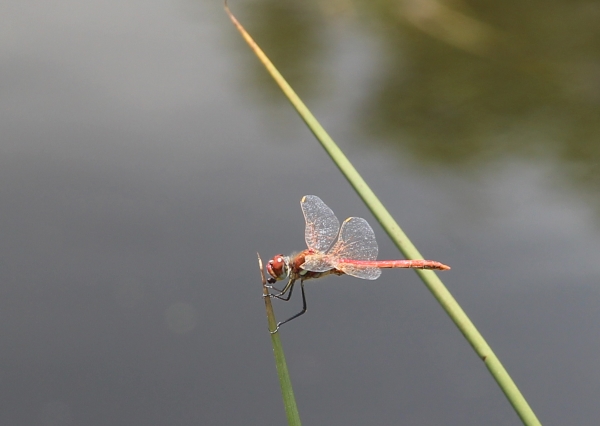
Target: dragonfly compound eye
pixel 277 267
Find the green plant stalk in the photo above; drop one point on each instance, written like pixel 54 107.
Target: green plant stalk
pixel 431 280
pixel 289 401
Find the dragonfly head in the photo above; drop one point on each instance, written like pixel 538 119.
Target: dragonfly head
pixel 279 267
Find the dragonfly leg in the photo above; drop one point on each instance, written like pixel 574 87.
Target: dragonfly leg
pixel 279 324
pixel 270 287
pixel 289 287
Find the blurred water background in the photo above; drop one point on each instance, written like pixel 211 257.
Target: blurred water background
pixel 146 157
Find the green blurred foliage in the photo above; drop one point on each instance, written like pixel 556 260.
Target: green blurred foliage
pixel 456 84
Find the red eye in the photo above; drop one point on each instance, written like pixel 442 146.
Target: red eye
pixel 276 267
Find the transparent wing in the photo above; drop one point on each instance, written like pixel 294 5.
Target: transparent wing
pixel 366 273
pixel 317 263
pixel 321 224
pixel 356 242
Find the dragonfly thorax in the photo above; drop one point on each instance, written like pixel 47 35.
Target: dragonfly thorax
pixel 279 267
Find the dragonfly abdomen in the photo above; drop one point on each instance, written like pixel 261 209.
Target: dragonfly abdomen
pixel 415 264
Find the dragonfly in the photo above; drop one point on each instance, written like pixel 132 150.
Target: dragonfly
pixel 332 250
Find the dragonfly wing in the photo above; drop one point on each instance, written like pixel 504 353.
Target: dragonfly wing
pixel 316 263
pixel 321 224
pixel 366 273
pixel 356 242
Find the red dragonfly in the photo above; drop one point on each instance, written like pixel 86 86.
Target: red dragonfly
pixel 354 253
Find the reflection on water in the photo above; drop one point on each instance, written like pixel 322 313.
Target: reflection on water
pixel 457 85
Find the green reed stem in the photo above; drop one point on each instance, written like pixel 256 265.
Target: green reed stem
pixel 289 401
